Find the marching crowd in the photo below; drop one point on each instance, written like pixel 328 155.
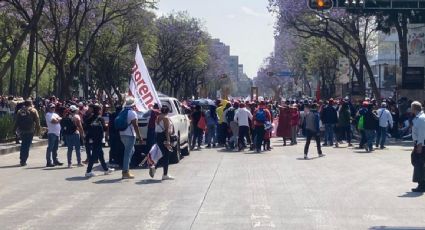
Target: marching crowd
pixel 234 125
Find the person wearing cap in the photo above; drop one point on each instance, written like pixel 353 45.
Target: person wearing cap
pixel 128 136
pixel 312 129
pixel 385 122
pixel 73 140
pixel 229 119
pixel 53 133
pixel 360 116
pixel 27 123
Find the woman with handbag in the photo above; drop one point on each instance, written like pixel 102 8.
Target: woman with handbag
pixel 163 131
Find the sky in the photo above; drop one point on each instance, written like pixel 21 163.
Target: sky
pixel 245 25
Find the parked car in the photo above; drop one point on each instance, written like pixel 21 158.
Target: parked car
pixel 180 121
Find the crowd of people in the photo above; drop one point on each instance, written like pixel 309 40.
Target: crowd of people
pixel 235 125
pixel 238 124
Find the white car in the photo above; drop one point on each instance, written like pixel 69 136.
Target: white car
pixel 181 123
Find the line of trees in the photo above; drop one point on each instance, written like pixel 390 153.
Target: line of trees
pixel 352 33
pixel 57 47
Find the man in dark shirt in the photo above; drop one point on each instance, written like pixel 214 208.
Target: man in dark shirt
pixel 329 119
pixel 197 132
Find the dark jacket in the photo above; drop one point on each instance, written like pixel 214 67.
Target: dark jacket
pixel 344 118
pixel 329 115
pixel 370 120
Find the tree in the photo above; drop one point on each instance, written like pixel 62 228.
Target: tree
pixel 181 54
pixel 349 33
pixel 71 27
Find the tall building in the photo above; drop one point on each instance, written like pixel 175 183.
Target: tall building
pixel 234 67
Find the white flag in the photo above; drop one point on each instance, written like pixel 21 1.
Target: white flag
pixel 141 86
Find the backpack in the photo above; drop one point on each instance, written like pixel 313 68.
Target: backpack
pixel 260 115
pixel 360 125
pixel 68 126
pixel 120 122
pixel 230 115
pixel 24 120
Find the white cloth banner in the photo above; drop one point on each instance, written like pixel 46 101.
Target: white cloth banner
pixel 154 155
pixel 141 86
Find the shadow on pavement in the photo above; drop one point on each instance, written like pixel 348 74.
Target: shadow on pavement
pixel 108 181
pixel 395 228
pixel 149 181
pixel 36 167
pixel 77 178
pixel 55 168
pixel 10 166
pixel 411 195
pixel 309 158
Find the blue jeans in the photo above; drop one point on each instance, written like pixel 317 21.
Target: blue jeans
pixel 73 140
pixel 259 136
pixel 52 148
pixel 211 137
pixel 370 137
pixel 128 142
pixel 381 136
pixel 329 134
pixel 25 146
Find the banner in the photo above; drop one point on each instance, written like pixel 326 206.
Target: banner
pixel 141 86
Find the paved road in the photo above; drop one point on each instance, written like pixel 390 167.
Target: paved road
pixel 348 189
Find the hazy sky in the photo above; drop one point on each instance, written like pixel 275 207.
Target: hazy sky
pixel 245 25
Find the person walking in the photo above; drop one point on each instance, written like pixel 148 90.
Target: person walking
pixel 312 129
pixel 27 123
pixel 163 130
pixel 284 125
pixel 86 118
pixel 329 119
pixel 242 117
pixel 212 122
pixel 53 132
pixel 73 133
pixel 344 124
pixel 371 122
pixel 128 136
pixel 385 124
pixel 154 112
pixel 261 116
pixel 418 154
pixel 95 133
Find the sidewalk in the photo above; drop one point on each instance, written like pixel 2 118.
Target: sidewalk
pixel 10 147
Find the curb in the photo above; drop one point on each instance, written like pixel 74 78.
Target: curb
pixel 18 147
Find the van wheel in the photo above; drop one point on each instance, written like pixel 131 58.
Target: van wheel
pixel 176 154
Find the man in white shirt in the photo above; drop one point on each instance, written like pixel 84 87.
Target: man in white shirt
pixel 385 121
pixel 418 155
pixel 53 133
pixel 242 117
pixel 128 137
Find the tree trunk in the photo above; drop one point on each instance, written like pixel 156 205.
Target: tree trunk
pixel 12 87
pixel 30 63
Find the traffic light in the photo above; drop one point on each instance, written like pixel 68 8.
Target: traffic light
pixel 320 4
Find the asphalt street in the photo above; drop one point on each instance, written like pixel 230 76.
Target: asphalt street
pixel 214 189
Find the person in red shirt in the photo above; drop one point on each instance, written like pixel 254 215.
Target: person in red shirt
pixel 261 116
pixel 295 120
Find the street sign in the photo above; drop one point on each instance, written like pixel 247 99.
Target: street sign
pixel 414 78
pixel 284 74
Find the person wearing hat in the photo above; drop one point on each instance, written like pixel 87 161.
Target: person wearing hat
pixel 53 132
pixel 27 123
pixel 370 125
pixel 128 136
pixel 385 122
pixel 73 133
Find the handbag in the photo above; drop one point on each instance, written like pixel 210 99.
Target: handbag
pixel 202 124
